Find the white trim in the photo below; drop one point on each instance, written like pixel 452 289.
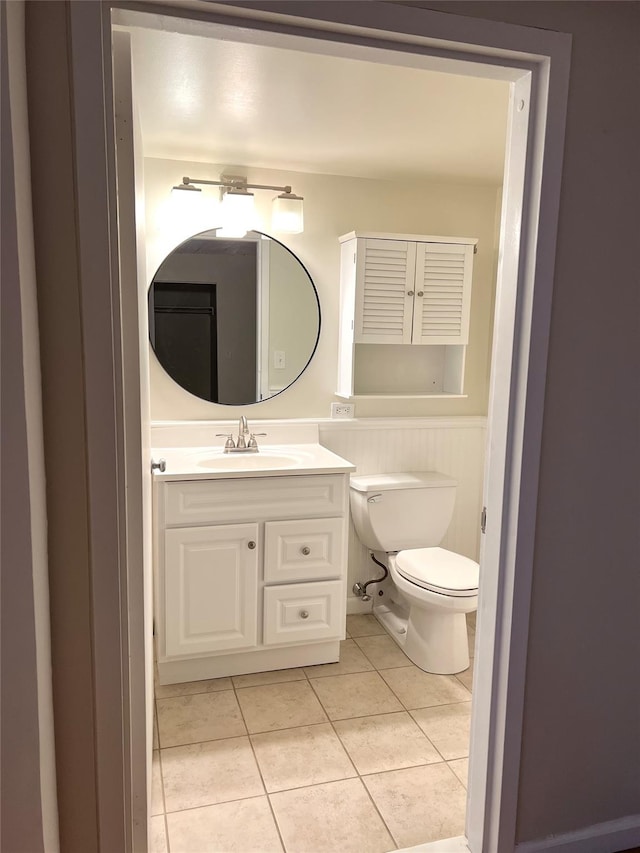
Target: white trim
pixel 426 396
pixel 262 344
pixel 413 238
pixel 94 174
pixel 332 424
pixel 621 834
pixel 433 422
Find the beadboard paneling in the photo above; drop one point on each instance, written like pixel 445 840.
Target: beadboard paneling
pixel 452 447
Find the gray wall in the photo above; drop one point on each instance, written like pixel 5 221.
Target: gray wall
pixel 581 739
pixel 580 756
pixel 27 789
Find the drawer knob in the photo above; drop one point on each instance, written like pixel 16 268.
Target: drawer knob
pixel 306 550
pixel 252 545
pixel 304 614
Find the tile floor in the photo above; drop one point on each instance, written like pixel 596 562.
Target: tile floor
pixel 366 755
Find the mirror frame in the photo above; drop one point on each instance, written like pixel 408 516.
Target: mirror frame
pixel 315 343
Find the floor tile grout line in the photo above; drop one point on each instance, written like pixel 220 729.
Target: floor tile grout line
pixel 375 805
pixel 308 678
pixel 375 772
pixel 250 734
pixel 255 758
pixel 357 775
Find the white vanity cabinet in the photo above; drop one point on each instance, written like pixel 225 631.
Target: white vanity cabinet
pixel 411 292
pixel 250 574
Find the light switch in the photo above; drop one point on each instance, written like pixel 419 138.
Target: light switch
pixel 278 359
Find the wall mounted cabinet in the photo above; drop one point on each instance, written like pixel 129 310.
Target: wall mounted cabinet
pixel 412 293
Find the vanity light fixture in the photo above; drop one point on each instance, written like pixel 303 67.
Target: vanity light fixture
pixel 237 212
pixel 287 214
pixel 237 205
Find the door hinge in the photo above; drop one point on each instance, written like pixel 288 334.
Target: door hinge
pixel 483 520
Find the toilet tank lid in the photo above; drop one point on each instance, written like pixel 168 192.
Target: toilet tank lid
pixel 401 480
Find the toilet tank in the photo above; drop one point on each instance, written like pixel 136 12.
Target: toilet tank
pixel 411 509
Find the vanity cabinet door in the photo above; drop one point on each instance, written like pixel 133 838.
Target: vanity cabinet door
pixel 210 588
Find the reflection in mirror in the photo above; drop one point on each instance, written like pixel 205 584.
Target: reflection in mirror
pixel 234 321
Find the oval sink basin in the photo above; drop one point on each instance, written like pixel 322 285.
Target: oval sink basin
pixel 250 461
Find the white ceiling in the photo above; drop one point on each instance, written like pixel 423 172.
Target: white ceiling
pixel 216 101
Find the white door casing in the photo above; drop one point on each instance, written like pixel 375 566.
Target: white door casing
pixel 536 62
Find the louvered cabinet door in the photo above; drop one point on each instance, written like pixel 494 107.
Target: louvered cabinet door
pixel 443 293
pixel 385 273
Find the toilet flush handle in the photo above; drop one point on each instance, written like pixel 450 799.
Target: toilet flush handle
pixel 374 499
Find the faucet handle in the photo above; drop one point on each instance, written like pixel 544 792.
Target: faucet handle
pixel 252 438
pixel 229 443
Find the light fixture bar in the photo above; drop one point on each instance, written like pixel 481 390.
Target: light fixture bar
pixel 237 204
pixel 232 182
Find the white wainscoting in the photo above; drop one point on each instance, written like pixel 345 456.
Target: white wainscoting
pixel 455 446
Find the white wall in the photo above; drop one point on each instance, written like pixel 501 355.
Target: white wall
pixel 334 206
pixel 293 317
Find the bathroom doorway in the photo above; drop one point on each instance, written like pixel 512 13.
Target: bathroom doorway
pixel 491 767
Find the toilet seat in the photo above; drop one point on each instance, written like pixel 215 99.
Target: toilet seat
pixel 439 570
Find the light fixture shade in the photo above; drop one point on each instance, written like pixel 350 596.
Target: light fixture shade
pixel 237 212
pixel 287 214
pixel 187 209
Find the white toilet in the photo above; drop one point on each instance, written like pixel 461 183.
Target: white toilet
pixel 402 518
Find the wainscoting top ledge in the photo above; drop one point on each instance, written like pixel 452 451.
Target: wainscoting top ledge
pixel 340 424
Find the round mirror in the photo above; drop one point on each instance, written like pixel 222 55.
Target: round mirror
pixel 233 320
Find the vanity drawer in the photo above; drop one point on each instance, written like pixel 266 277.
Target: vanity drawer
pixel 295 613
pixel 248 499
pixel 309 549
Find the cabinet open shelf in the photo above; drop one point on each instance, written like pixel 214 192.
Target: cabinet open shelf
pixel 402 396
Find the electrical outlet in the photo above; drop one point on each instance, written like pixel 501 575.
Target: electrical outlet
pixel 342 410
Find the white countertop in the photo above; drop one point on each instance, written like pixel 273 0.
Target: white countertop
pixel 277 460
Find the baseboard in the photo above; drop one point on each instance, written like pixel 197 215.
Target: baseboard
pixel 357 605
pixel 610 837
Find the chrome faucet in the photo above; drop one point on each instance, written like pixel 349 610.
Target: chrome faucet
pixel 243 432
pixel 246 441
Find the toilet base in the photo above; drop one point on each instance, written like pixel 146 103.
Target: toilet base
pixel 435 642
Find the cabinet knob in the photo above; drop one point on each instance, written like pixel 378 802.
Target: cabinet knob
pixel 304 614
pixel 251 545
pixel 420 293
pixel 409 292
pixel 159 466
pixel 306 550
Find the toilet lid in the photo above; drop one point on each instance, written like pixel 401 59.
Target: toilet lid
pixel 439 570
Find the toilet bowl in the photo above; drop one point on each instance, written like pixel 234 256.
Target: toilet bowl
pixel 424 601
